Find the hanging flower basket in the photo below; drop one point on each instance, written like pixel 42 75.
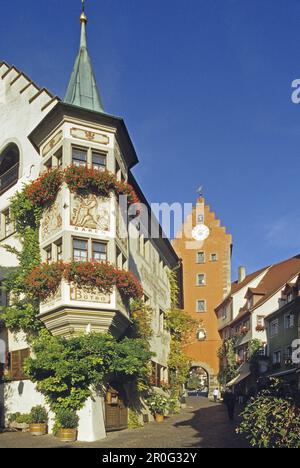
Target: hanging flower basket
pixel 44 280
pixel 80 180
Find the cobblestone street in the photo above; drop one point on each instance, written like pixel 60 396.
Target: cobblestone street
pixel 201 425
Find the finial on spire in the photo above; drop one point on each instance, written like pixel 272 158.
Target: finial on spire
pixel 83 17
pixel 82 89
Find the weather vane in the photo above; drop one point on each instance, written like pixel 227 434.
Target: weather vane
pixel 83 17
pixel 200 190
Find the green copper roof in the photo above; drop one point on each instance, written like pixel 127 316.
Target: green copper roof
pixel 82 90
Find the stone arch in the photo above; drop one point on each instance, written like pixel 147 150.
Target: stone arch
pixel 212 377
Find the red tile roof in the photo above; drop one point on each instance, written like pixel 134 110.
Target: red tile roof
pixel 276 277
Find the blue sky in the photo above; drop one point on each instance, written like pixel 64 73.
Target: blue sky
pixel 204 87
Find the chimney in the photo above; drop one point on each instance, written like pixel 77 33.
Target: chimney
pixel 242 274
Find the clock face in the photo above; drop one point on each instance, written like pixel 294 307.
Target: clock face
pixel 200 232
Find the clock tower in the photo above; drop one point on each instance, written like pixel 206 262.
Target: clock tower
pixel 205 248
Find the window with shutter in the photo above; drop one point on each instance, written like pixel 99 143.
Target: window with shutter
pixel 16 364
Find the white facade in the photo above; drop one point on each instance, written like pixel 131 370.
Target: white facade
pixel 22 108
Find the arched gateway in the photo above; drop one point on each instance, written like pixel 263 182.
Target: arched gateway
pixel 202 373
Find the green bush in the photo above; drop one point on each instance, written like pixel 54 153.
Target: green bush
pixel 66 419
pixel 174 405
pixel 38 415
pixel 133 420
pixel 271 420
pixel 19 418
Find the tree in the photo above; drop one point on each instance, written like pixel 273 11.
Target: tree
pixel 66 370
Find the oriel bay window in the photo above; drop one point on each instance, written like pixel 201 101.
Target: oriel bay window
pixel 99 251
pixel 80 250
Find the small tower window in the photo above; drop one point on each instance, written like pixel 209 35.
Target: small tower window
pixel 80 250
pixel 200 257
pixel 99 251
pixel 79 156
pixel 99 161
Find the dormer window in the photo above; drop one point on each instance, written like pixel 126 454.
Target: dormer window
pixel 9 167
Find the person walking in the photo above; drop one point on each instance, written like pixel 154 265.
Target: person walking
pixel 216 395
pixel 230 401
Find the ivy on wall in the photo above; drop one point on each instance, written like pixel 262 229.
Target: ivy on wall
pixel 228 362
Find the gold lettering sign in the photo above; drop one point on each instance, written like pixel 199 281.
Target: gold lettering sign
pixel 100 138
pixel 85 295
pixel 55 140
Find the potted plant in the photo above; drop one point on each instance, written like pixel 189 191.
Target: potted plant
pixel 67 423
pixel 38 421
pixel 159 404
pixel 19 422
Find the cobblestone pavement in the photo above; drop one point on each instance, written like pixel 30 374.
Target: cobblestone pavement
pixel 201 425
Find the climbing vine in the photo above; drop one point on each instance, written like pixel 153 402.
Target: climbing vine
pixel 66 370
pixel 181 326
pixel 228 362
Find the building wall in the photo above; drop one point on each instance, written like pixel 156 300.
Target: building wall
pixel 148 266
pixel 18 117
pixel 218 280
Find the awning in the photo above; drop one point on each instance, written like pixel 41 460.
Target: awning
pixel 244 372
pixel 281 373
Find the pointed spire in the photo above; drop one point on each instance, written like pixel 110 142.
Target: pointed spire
pixel 82 90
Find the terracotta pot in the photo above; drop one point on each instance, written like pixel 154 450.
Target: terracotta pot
pixel 38 429
pixel 159 418
pixel 67 435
